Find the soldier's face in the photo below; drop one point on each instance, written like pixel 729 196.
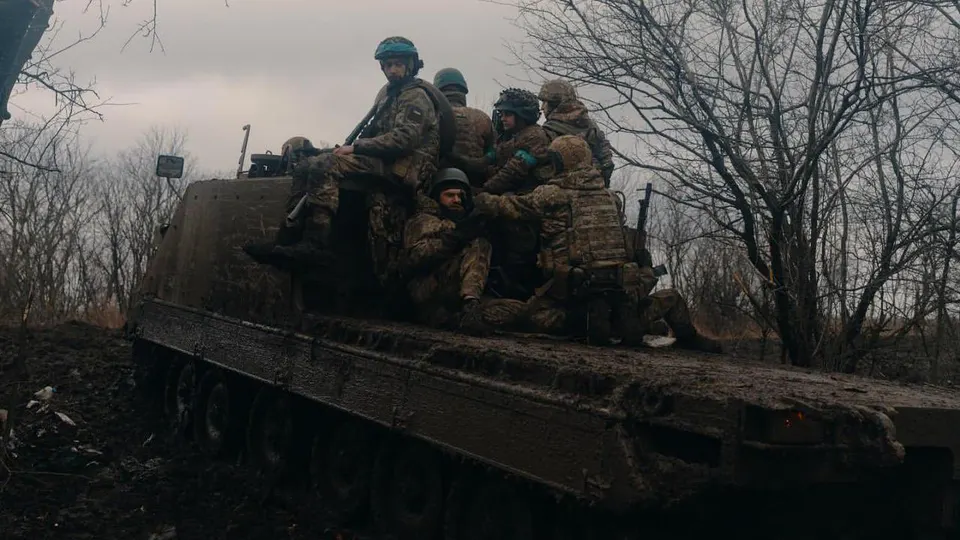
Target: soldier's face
pixel 394 68
pixel 509 120
pixel 546 108
pixel 452 199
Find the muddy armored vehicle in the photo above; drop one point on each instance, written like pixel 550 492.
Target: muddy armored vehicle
pixel 431 434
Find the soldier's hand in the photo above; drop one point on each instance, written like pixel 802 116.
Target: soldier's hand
pixel 483 204
pixel 344 150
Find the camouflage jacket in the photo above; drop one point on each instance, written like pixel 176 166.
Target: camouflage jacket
pixel 474 128
pixel 520 162
pixel 428 239
pixel 571 118
pixel 579 221
pixel 405 125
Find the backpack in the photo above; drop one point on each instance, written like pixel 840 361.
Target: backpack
pixel 447 128
pixel 447 119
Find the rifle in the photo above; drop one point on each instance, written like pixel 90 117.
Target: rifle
pixel 302 203
pixel 640 240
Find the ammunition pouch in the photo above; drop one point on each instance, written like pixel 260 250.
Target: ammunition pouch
pixel 577 284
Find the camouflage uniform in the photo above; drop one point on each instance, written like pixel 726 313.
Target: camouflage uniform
pixel 446 265
pixel 566 115
pixel 518 164
pixel 400 145
pixel 474 128
pixel 581 239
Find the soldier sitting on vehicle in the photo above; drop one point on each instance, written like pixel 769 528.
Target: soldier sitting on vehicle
pixel 474 128
pixel 566 115
pixel 445 258
pixel 590 286
pixel 517 165
pixel 400 145
pixel 665 309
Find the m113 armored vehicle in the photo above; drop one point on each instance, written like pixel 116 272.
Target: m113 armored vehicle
pixel 432 434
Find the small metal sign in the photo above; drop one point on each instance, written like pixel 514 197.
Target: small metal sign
pixel 169 166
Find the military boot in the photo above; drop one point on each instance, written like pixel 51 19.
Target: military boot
pixel 471 318
pixel 311 251
pixel 688 338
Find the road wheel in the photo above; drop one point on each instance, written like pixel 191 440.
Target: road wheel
pixel 408 490
pixel 180 397
pixel 220 415
pixel 270 432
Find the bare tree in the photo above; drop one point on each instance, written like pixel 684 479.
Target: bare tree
pixel 749 108
pixel 136 203
pixel 45 205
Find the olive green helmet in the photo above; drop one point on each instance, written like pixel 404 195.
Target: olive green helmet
pixel 452 177
pixel 448 178
pixel 450 77
pixel 399 47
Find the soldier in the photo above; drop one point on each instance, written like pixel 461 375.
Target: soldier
pixel 518 164
pixel 474 128
pixel 665 309
pixel 566 115
pixel 444 256
pixel 589 283
pixel 400 145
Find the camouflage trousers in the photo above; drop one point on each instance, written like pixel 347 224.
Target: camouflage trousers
pixel 438 295
pixel 320 180
pixel 667 305
pixel 538 314
pixel 543 314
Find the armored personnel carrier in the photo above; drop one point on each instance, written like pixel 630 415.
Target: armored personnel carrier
pixel 432 434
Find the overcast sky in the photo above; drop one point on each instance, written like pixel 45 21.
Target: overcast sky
pixel 287 67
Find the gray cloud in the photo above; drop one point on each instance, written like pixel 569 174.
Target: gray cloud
pixel 287 67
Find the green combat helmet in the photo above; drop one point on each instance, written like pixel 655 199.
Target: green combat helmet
pixel 450 178
pixel 399 47
pixel 521 103
pixel 450 77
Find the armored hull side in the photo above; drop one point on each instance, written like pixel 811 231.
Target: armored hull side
pixel 199 260
pixel 619 430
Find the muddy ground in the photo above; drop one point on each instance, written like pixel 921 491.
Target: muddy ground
pixel 114 474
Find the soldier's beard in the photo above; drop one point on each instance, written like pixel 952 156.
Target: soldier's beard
pixel 453 213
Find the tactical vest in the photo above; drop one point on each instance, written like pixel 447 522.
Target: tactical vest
pixel 592 237
pixel 466 138
pixel 591 244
